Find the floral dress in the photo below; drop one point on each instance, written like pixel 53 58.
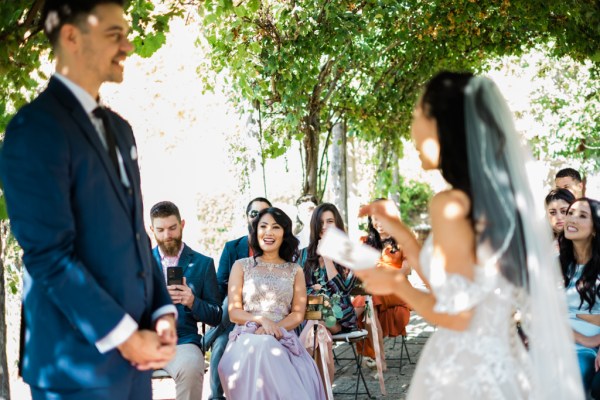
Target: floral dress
pixel 338 288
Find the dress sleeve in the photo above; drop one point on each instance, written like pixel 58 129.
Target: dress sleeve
pixel 341 285
pixel 458 293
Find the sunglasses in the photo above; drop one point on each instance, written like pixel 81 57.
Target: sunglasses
pixel 253 213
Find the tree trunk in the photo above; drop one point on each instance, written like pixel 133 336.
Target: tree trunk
pixel 339 168
pixel 311 152
pixel 4 378
pixel 396 188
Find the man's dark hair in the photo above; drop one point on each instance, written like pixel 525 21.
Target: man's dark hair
pixel 164 209
pixel 261 199
pixel 57 13
pixel 568 172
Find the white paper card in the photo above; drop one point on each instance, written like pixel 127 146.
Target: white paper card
pixel 336 245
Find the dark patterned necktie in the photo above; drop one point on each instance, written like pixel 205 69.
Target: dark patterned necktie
pixel 101 113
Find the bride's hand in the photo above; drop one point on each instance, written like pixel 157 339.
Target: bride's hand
pixel 385 211
pixel 382 280
pixel 269 328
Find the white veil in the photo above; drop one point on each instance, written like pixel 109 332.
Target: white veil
pixel 518 238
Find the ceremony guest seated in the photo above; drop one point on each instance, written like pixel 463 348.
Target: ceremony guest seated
pixel 570 179
pixel 325 277
pixel 580 263
pixel 305 205
pixel 557 203
pixel 267 300
pixel 196 298
pixel 217 337
pixel 392 312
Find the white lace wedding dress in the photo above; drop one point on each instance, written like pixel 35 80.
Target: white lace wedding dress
pixel 486 361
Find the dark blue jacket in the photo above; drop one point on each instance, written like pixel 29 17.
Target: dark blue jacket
pixel 233 251
pixel 200 276
pixel 85 249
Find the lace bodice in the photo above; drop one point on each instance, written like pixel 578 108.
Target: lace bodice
pixel 487 360
pixel 268 288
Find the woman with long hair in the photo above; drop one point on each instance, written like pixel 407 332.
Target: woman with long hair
pixel 557 202
pixel 580 263
pixel 325 276
pixel 392 312
pixel 487 256
pixel 267 300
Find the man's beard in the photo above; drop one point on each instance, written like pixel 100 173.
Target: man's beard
pixel 170 248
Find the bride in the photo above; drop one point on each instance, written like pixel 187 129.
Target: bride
pixel 488 256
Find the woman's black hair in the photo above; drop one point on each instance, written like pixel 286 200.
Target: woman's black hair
pixel 443 100
pixel 316 225
pixel 289 247
pixel 586 285
pixel 374 239
pixel 560 194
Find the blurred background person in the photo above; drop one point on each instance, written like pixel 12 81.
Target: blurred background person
pixel 305 205
pixel 570 179
pixel 557 203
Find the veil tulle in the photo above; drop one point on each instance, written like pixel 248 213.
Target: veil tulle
pixel 513 233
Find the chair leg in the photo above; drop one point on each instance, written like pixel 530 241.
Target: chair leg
pixel 406 348
pixel 315 328
pixel 359 373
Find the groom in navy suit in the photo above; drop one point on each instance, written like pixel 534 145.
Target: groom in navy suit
pixel 97 315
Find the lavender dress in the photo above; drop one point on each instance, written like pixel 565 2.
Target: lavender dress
pixel 260 367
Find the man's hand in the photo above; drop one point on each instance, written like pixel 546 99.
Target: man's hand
pixel 182 294
pixel 166 329
pixel 145 351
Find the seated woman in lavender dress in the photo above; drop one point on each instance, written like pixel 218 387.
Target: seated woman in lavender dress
pixel 267 299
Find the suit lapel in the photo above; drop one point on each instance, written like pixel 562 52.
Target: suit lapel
pixel 185 258
pixel 65 96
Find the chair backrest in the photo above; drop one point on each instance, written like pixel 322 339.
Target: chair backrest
pixel 312 308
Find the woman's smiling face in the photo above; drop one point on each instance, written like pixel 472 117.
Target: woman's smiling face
pixel 269 233
pixel 578 224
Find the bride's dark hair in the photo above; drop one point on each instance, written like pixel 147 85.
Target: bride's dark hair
pixel 443 100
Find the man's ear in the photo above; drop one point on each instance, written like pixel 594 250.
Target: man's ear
pixel 69 38
pixel 152 228
pixel 182 223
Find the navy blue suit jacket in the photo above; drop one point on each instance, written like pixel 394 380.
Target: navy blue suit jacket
pixel 233 251
pixel 87 255
pixel 200 276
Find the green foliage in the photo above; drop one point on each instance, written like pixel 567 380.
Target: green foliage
pixel 307 63
pixel 414 196
pixel 569 108
pixel 24 45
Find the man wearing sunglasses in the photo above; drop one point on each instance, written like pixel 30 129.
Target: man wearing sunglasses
pixel 218 336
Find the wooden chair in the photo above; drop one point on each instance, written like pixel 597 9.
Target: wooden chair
pixel 313 313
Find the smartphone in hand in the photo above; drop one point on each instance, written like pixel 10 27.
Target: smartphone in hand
pixel 174 276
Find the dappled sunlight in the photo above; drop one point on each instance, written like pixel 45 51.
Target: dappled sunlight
pixel 93 20
pixel 452 210
pixel 276 351
pixel 431 150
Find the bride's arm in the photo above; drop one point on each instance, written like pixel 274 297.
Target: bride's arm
pixel 453 251
pixel 296 316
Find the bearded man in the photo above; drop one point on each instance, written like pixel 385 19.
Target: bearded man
pixel 197 297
